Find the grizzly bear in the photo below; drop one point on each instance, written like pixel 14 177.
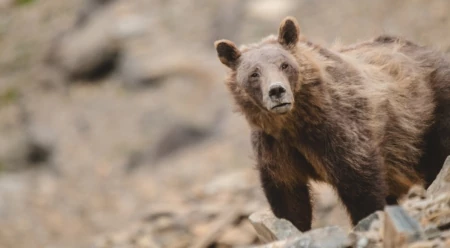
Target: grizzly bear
pixel 371 119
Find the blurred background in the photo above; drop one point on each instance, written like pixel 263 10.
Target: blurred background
pixel 116 129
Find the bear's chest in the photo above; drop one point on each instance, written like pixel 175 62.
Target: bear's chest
pixel 307 159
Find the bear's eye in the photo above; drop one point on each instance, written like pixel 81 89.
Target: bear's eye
pixel 284 66
pixel 254 75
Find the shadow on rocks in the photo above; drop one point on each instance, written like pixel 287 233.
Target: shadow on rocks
pixel 89 50
pixel 24 144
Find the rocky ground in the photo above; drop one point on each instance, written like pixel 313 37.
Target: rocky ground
pixel 116 129
pixel 421 220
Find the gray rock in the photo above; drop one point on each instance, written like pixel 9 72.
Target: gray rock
pixel 270 228
pixel 364 224
pixel 399 228
pixel 432 232
pixel 277 244
pixel 327 237
pixel 442 182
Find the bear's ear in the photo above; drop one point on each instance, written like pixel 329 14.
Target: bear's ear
pixel 228 52
pixel 289 32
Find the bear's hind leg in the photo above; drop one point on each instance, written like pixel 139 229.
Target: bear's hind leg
pixel 437 140
pixel 362 189
pixel 437 146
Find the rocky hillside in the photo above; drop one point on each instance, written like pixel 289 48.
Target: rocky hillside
pixel 116 128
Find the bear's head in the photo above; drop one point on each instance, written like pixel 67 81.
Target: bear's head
pixel 265 76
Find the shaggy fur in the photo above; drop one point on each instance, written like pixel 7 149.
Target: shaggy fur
pixel 371 119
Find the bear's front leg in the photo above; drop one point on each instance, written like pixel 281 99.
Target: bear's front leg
pixel 362 187
pixel 289 200
pixel 291 203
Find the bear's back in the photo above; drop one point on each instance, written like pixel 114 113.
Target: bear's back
pixel 397 83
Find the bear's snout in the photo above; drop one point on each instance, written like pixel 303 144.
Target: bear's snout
pixel 276 92
pixel 279 98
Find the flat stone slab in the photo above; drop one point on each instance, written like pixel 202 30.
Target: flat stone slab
pixel 399 228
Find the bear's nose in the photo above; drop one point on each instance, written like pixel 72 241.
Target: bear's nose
pixel 276 92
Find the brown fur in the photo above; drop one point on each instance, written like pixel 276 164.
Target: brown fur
pixel 371 119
